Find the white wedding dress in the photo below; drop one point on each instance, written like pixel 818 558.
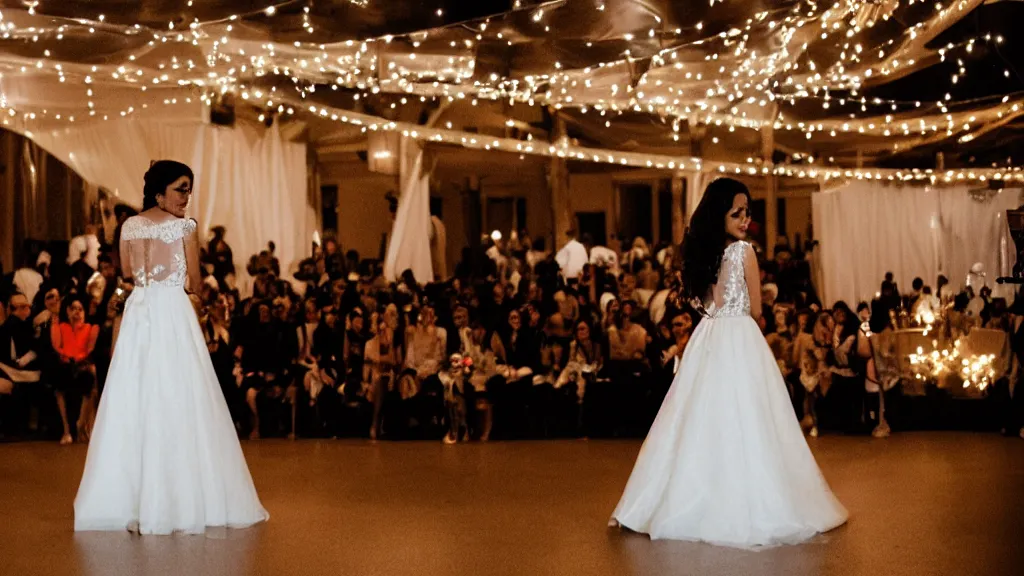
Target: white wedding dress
pixel 725 461
pixel 164 455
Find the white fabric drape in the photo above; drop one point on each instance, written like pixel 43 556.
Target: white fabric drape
pixel 409 248
pixel 251 182
pixel 866 229
pixel 976 231
pixel 695 181
pixel 439 247
pixel 256 188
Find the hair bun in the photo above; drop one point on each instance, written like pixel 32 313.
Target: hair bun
pixel 161 174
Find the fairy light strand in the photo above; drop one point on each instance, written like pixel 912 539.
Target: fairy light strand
pixel 738 84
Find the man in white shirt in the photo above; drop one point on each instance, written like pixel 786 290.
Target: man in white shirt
pixel 495 253
pixel 85 247
pixel 572 257
pixel 604 257
pixel 28 280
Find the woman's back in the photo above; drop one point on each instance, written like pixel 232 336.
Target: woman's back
pixel 155 250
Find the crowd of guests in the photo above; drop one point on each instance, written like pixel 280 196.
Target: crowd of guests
pixel 519 343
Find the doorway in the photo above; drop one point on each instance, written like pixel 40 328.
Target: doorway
pixel 329 208
pixel 636 211
pixel 594 225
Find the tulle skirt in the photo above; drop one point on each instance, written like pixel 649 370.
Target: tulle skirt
pixel 726 461
pixel 164 455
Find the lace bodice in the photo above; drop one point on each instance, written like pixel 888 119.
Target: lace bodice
pixel 156 250
pixel 731 290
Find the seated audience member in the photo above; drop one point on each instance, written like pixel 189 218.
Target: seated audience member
pixel 20 369
pixel 265 357
pixel 74 341
pixel 516 350
pixel 381 359
pixel 425 354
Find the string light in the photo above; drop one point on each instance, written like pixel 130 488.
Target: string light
pixel 752 167
pixel 738 84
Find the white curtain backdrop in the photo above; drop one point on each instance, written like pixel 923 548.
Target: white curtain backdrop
pixel 866 229
pixel 695 183
pixel 409 247
pixel 250 181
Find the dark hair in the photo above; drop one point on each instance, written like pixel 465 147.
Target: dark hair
pixel 160 175
pixel 622 316
pixel 12 296
pixel 594 352
pixel 841 305
pixel 960 301
pixel 850 324
pixel 124 210
pixel 706 237
pixel 880 319
pixel 917 284
pixel 576 326
pixel 812 319
pixel 67 302
pixel 1017 308
pixel 680 314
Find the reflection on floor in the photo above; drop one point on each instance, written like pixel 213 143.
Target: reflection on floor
pixel 927 503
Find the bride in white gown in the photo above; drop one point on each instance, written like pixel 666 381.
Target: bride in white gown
pixel 725 461
pixel 164 455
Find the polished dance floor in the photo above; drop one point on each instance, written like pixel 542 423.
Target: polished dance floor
pixel 920 504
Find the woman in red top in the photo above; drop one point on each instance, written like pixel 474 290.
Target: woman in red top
pixel 73 340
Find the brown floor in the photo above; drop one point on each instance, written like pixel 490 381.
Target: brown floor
pixel 920 504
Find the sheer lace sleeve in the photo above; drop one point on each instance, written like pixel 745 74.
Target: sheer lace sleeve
pixel 731 295
pixel 154 252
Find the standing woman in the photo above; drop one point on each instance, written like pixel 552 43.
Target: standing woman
pixel 847 391
pixel 217 332
pixel 725 461
pixel 164 455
